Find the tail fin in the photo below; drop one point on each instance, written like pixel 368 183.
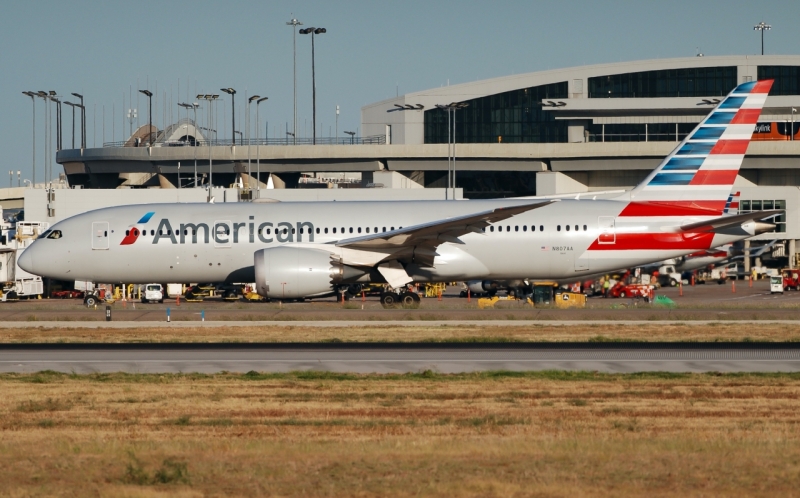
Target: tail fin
pixel 696 178
pixel 732 205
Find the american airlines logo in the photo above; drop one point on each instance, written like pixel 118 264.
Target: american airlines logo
pixel 222 232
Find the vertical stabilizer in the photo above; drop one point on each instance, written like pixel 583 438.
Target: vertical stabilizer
pixel 697 177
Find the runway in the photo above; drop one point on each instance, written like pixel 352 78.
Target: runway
pixel 400 358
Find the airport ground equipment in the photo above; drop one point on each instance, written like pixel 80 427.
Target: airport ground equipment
pixel 776 284
pixel 15 237
pixel 153 293
pixel 791 279
pixel 570 300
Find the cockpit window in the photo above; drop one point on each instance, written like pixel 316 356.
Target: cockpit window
pixel 53 234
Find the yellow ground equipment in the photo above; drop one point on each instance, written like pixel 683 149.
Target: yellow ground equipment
pixel 570 300
pixel 434 290
pixel 489 302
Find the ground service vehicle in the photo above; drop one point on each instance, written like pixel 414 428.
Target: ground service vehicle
pixel 791 279
pixel 667 276
pixel 775 285
pixel 153 293
pixel 297 250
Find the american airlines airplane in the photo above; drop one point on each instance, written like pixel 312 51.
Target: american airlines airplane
pixel 295 250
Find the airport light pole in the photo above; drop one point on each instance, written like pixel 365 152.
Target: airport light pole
pixel 451 137
pixel 258 147
pixel 294 23
pixel 73 121
pixel 762 26
pixel 149 95
pixel 83 120
pixel 352 134
pixel 32 95
pixel 232 93
pixel 312 32
pixel 44 96
pixel 247 129
pixel 193 106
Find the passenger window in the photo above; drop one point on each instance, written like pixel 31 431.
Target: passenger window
pixel 524 228
pixel 516 228
pixel 351 229
pixel 152 232
pixel 127 232
pixel 533 228
pixel 334 229
pixel 491 229
pixel 343 230
pixel 105 233
pixel 269 230
pixel 317 231
pixel 376 230
pixel 508 228
pixel 393 229
pixel 359 229
pixel 541 228
pixel 384 229
pixel 577 228
pixel 326 229
pixel 558 228
pixel 292 231
pixel 584 228
pixel 567 228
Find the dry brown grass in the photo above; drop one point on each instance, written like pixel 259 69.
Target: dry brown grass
pixel 722 331
pixel 546 433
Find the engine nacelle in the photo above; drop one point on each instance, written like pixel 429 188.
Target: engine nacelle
pixel 292 273
pixel 481 286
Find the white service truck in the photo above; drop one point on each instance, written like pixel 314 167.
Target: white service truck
pixel 15 237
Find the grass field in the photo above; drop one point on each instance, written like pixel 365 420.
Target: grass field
pixel 722 331
pixel 314 434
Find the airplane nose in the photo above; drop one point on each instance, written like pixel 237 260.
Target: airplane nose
pixel 26 260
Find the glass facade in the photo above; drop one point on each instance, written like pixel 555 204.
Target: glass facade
pixel 639 132
pixel 689 82
pixel 787 79
pixel 766 205
pixel 513 117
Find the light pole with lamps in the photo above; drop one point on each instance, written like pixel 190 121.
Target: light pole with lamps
pixel 149 95
pixel 352 134
pixel 451 137
pixel 258 147
pixel 247 129
pixel 193 106
pixel 312 32
pixel 32 95
pixel 44 96
pixel 762 26
pixel 73 121
pixel 294 23
pixel 232 93
pixel 83 120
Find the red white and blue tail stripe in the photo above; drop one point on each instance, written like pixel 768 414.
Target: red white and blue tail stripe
pixel 696 178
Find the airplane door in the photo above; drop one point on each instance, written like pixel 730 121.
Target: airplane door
pixel 100 235
pixel 608 234
pixel 222 233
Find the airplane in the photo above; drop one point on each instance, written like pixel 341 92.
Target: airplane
pixel 297 250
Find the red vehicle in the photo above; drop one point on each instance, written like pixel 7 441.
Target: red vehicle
pixel 66 294
pixel 791 279
pixel 629 290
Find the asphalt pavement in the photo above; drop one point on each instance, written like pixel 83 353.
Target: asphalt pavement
pixel 399 358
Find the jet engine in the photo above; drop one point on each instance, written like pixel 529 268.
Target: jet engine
pixel 294 272
pixel 481 286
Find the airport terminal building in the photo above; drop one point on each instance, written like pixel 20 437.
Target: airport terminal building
pixel 583 129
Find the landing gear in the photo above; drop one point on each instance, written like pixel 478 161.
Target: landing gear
pixel 409 299
pixel 389 299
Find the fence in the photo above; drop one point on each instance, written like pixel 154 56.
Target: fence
pixel 371 140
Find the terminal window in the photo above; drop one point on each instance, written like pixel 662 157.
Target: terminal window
pixel 787 79
pixel 765 205
pixel 686 82
pixel 508 117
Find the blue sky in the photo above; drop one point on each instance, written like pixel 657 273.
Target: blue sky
pixel 372 50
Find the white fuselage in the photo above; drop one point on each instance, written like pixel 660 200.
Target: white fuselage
pixel 554 242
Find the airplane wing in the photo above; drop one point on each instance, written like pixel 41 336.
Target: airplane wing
pixel 433 233
pixel 723 223
pixel 418 243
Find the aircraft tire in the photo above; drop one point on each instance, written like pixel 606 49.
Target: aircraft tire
pixel 409 300
pixel 90 301
pixel 389 299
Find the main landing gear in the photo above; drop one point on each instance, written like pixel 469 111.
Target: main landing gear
pixel 406 299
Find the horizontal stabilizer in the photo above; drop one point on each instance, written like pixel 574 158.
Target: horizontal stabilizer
pixel 718 225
